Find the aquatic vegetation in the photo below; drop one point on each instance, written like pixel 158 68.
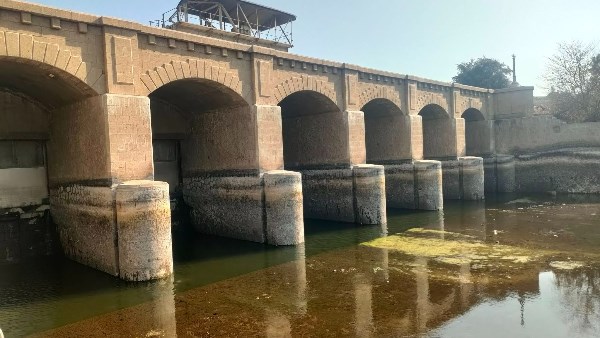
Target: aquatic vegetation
pixel 566 265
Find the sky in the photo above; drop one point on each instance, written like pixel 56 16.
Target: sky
pixel 425 38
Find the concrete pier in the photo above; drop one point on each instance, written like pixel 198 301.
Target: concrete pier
pixel 463 178
pixel 264 208
pixel 416 185
pixel 499 174
pixel 355 195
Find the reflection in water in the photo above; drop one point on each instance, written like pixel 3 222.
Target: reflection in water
pixel 334 287
pixel 363 302
pixel 580 299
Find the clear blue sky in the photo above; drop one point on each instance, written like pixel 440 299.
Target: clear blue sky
pixel 427 38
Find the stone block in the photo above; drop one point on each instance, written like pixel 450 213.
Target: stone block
pixel 471 178
pixel 451 179
pixel 144 227
pixel 283 208
pixel 85 219
pixel 428 185
pixel 400 186
pixel 328 194
pixel 369 194
pixel 499 173
pixel 229 206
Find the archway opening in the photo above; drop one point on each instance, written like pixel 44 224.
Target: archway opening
pixel 477 133
pixel 201 131
pixel 313 132
pixel 42 139
pixel 387 132
pixel 439 133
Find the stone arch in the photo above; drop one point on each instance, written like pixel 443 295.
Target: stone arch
pixel 472 115
pixel 304 83
pixel 426 98
pixel 24 48
pixel 200 127
pixel 439 132
pixel 387 132
pixel 314 131
pixel 478 133
pixel 176 70
pixel 379 92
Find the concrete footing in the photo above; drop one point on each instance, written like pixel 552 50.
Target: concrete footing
pixel 123 230
pixel 499 174
pixel 265 208
pixel 463 178
pixel 354 195
pixel 416 185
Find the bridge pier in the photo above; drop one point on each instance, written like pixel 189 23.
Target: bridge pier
pixel 265 208
pixel 463 178
pixel 354 195
pixel 415 185
pixel 499 173
pixel 105 218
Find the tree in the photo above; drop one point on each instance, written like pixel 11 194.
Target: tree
pixel 483 72
pixel 574 74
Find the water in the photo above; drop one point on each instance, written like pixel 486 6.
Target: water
pixel 332 286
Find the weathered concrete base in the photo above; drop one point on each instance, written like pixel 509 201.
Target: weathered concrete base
pixel 463 178
pixel 499 173
pixel 354 195
pixel 90 227
pixel 264 208
pixel 573 170
pixel 144 228
pixel 416 185
pixel 429 185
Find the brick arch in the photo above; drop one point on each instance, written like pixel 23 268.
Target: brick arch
pixel 304 83
pixel 27 48
pixel 466 103
pixel 190 69
pixel 379 92
pixel 427 98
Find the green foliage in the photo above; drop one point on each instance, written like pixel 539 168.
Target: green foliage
pixel 483 72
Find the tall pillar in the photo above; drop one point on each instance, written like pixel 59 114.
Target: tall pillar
pixel 97 146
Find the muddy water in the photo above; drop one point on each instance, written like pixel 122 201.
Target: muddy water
pixel 509 267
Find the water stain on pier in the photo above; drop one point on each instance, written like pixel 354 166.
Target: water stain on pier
pixel 506 267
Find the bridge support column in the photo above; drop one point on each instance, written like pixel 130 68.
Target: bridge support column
pixel 354 195
pixel 416 185
pixel 463 178
pixel 105 220
pixel 263 208
pixel 499 174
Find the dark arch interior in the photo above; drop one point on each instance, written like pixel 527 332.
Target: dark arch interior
pixel 387 132
pixel 381 107
pixel 200 127
pixel 433 112
pixel 47 85
pixel 439 134
pixel 472 114
pixel 312 131
pixel 198 95
pixel 477 133
pixel 305 103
